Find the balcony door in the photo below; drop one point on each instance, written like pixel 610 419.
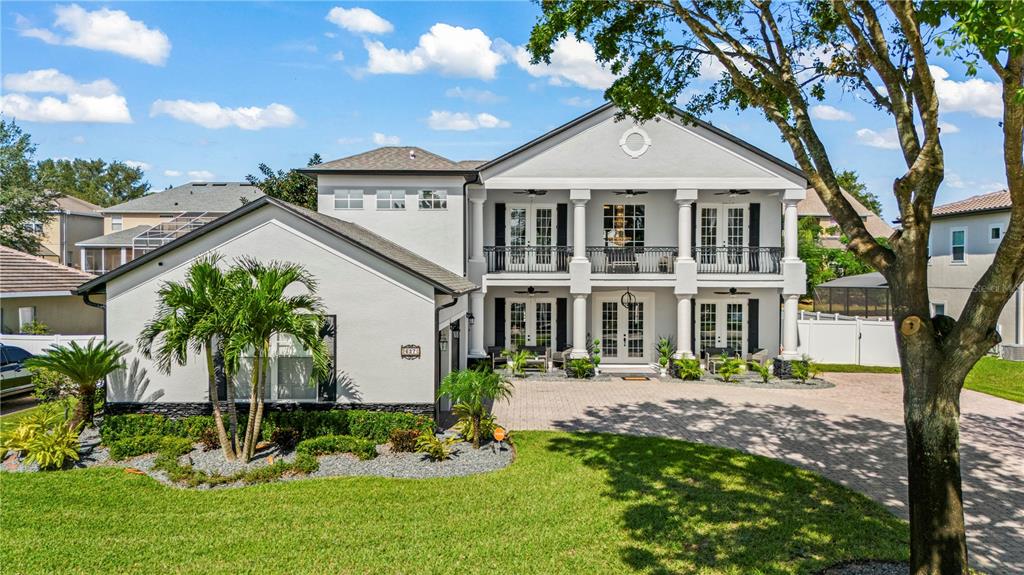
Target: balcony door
pixel 530 321
pixel 626 335
pixel 721 236
pixel 530 232
pixel 721 324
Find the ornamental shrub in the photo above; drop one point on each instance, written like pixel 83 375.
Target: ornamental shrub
pixel 764 370
pixel 328 444
pixel 143 444
pixel 306 423
pixel 688 369
pixel 377 425
pixel 117 427
pixel 730 368
pixel 580 368
pixel 404 440
pixel 52 448
pixel 285 438
pixel 434 447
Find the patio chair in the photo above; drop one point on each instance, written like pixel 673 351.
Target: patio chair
pixel 541 359
pixel 621 260
pixel 559 358
pixel 497 360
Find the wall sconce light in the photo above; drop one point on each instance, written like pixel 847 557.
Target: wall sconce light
pixel 470 319
pixel 444 341
pixel 456 327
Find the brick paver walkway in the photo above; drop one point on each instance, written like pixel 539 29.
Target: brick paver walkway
pixel 852 434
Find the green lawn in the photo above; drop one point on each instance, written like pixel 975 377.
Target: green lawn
pixel 851 368
pixel 571 503
pixel 11 420
pixel 998 377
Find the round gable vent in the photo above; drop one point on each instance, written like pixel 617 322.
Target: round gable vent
pixel 635 142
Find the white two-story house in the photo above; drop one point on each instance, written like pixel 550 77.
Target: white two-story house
pixel 602 228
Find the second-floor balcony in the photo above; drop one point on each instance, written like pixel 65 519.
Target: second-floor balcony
pixel 634 259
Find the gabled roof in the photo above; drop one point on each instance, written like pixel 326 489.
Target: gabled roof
pixel 78 206
pixel 441 278
pixel 994 201
pixel 21 273
pixel 218 197
pixel 393 159
pixel 122 238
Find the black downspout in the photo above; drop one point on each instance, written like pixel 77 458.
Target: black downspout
pixel 437 357
pixel 101 306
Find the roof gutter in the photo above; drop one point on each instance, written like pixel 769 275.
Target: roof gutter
pixel 90 303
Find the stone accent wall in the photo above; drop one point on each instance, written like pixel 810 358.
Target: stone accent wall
pixel 783 368
pixel 186 409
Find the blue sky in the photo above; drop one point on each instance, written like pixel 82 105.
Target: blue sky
pixel 209 90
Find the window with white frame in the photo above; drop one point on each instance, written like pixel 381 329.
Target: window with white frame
pixel 348 199
pixel 33 227
pixel 958 245
pixel 116 223
pixel 995 233
pixel 433 199
pixel 290 369
pixel 390 199
pixel 26 315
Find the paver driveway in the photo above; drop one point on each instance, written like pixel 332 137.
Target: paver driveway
pixel 852 434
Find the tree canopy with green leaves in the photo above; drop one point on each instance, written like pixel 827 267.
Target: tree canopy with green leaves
pixel 779 58
pixel 94 181
pixel 290 186
pixel 849 181
pixel 25 205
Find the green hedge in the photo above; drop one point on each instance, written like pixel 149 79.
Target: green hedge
pixel 143 444
pixel 328 444
pixel 373 425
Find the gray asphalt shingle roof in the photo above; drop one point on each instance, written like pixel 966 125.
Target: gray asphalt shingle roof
pixel 121 238
pixel 868 280
pixel 220 197
pixel 393 158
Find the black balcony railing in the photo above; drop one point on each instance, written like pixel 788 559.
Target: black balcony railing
pixel 632 259
pixel 527 259
pixel 738 260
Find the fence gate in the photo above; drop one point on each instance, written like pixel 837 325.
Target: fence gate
pixel 831 338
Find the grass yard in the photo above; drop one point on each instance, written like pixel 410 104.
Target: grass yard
pixel 998 377
pixel 851 368
pixel 571 503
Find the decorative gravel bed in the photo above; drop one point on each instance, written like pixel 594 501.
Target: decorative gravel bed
pixel 869 568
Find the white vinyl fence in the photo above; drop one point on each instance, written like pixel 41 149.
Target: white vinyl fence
pixel 828 338
pixel 37 344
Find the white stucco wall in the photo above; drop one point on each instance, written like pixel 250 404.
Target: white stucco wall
pixel 434 234
pixel 378 306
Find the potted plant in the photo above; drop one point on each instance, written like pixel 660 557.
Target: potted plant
pixel 665 349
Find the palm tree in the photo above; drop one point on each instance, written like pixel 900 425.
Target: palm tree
pixel 469 390
pixel 260 311
pixel 85 366
pixel 190 317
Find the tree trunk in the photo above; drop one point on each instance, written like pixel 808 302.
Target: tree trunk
pixel 85 408
pixel 476 431
pixel 232 412
pixel 218 419
pixel 264 366
pixel 253 394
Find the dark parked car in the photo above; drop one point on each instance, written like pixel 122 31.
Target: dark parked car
pixel 14 377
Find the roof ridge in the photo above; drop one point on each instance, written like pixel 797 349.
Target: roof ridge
pixel 61 267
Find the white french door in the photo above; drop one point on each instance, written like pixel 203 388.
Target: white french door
pixel 721 325
pixel 530 235
pixel 530 321
pixel 626 335
pixel 722 232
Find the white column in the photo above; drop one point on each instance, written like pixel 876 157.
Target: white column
pixel 81 264
pixel 477 226
pixel 790 229
pixel 476 333
pixel 579 229
pixel 124 256
pixel 579 325
pixel 789 327
pixel 685 199
pixel 103 259
pixel 684 325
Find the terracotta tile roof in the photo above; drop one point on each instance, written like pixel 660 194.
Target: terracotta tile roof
pixel 812 205
pixel 980 203
pixel 396 158
pixel 21 272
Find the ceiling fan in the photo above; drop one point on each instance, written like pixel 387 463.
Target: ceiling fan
pixel 531 193
pixel 532 291
pixel 630 193
pixel 732 291
pixel 733 193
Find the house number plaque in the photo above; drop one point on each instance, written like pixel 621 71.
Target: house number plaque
pixel 410 351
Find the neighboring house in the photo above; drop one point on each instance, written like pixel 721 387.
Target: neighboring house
pixel 598 228
pixel 135 227
pixel 964 239
pixel 33 289
pixel 812 206
pixel 862 295
pixel 74 220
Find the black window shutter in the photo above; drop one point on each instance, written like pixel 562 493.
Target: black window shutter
pixel 327 389
pixel 754 236
pixel 219 377
pixel 693 332
pixel 562 240
pixel 561 319
pixel 499 322
pixel 752 326
pixel 499 235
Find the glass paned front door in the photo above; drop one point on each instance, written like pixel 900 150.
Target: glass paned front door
pixel 542 323
pixel 517 323
pixel 734 326
pixel 708 325
pixel 609 329
pixel 530 321
pixel 708 233
pixel 722 237
pixel 531 238
pixel 544 230
pixel 735 234
pixel 517 235
pixel 722 325
pixel 635 332
pixel 625 334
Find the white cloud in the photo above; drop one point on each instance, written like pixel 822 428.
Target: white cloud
pixel 359 20
pixel 384 140
pixel 78 140
pixel 830 113
pixel 450 50
pixel 338 56
pixel 578 102
pixel 953 180
pixel 886 139
pixel 975 95
pixel 96 101
pixel 948 128
pixel 461 121
pixel 330 35
pixel 137 164
pixel 104 30
pixel 473 95
pixel 172 173
pixel 214 116
pixel 201 175
pixel 572 62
